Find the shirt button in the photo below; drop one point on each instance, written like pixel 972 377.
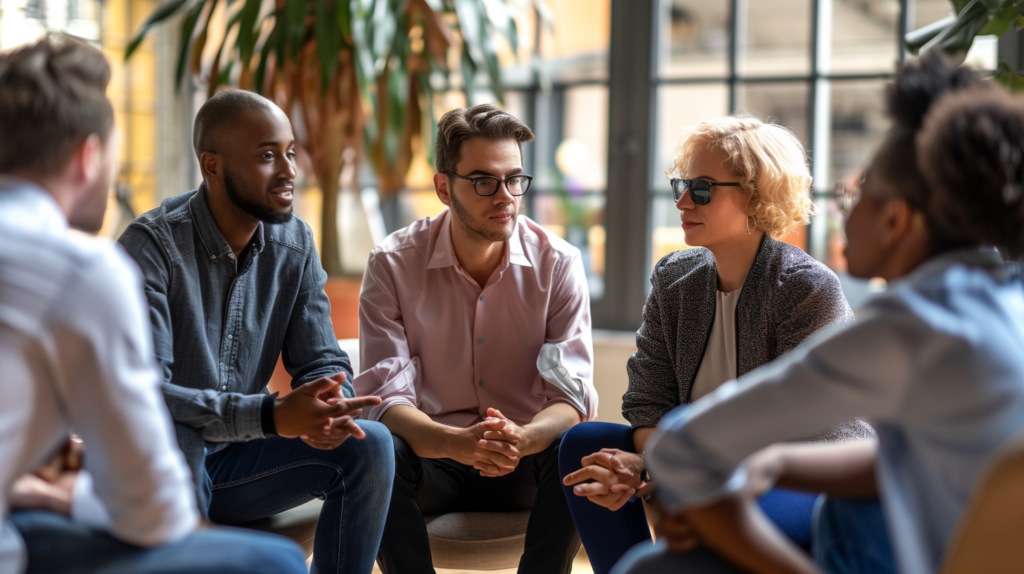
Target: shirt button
pixel 231 256
pixel 224 387
pixel 230 336
pixel 481 297
pixel 480 340
pixel 214 257
pixel 480 382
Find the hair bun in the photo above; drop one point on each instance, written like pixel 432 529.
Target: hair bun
pixel 919 83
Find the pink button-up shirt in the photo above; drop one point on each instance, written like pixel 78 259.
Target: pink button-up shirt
pixel 431 338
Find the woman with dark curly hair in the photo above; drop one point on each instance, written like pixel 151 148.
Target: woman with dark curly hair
pixel 936 362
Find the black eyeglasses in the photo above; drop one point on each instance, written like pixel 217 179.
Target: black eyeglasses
pixel 700 189
pixel 487 185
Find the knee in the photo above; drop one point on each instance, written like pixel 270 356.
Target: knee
pixel 587 438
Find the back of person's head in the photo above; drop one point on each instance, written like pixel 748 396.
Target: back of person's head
pixel 919 84
pixel 220 113
pixel 971 150
pixel 482 121
pixel 52 97
pixel 766 158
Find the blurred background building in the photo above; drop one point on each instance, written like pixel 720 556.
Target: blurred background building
pixel 607 86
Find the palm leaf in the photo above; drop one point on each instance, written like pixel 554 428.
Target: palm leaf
pixel 162 13
pixel 188 27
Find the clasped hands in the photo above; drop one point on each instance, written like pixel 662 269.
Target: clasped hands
pixel 50 486
pixel 319 414
pixel 494 446
pixel 614 475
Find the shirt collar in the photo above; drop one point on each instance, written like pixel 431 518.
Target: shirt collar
pixel 985 258
pixel 25 205
pixel 209 234
pixel 444 251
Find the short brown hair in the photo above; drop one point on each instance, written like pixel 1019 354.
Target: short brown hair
pixel 52 97
pixel 483 121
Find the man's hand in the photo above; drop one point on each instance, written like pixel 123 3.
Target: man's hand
pixel 764 468
pixel 615 477
pixel 33 492
pixel 344 426
pixel 310 409
pixel 491 457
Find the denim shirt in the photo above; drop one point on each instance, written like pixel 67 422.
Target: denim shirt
pixel 219 322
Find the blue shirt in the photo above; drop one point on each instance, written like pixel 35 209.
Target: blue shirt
pixel 219 322
pixel 937 362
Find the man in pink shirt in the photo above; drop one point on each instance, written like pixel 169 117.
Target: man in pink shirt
pixel 453 313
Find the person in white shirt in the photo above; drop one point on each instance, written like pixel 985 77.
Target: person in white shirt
pixel 76 350
pixel 936 362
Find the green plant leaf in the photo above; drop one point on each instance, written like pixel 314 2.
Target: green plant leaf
pixel 493 68
pixel 427 93
pixel 958 37
pixel 958 5
pixel 472 34
pixel 468 76
pixel 501 19
pixel 188 27
pixel 246 40
pixel 165 11
pixel 398 103
pixel 294 23
pixel 328 42
pixel 261 67
pixel 992 4
pixel 1001 21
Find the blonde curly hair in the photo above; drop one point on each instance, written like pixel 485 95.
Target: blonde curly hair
pixel 766 158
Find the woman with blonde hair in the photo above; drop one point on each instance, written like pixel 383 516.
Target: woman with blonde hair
pixel 738 299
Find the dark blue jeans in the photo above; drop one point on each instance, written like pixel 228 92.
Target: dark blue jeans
pixel 850 537
pixel 608 535
pixel 58 546
pixel 256 479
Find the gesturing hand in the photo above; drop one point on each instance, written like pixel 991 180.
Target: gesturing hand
pixel 310 409
pixel 31 491
pixel 614 475
pixel 341 427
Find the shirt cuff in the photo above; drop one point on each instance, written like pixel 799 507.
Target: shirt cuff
pixel 86 507
pixel 267 422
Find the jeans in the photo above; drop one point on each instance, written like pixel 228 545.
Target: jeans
pixel 425 487
pixel 850 537
pixel 608 535
pixel 58 546
pixel 260 478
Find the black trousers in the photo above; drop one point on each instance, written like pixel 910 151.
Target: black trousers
pixel 426 487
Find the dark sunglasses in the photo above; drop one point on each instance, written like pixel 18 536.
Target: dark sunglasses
pixel 700 189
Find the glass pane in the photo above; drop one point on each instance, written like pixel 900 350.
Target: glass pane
pixel 579 219
pixel 784 104
pixel 863 35
pixel 774 37
pixel 573 42
pixel 693 38
pixel 679 107
pixel 858 126
pixel 666 231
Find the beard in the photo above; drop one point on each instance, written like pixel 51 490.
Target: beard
pixel 477 227
pixel 252 206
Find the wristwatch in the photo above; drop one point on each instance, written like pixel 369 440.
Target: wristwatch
pixel 645 476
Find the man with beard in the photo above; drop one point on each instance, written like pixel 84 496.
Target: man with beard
pixel 453 313
pixel 233 280
pixel 76 352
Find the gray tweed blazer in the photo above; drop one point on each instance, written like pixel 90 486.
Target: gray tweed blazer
pixel 787 296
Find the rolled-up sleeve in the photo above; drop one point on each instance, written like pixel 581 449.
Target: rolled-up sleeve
pixel 568 328
pixel 389 371
pixel 835 376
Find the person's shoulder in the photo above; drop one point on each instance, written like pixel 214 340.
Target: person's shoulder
pixel 543 242
pixel 798 269
pixel 417 235
pixel 165 227
pixel 681 264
